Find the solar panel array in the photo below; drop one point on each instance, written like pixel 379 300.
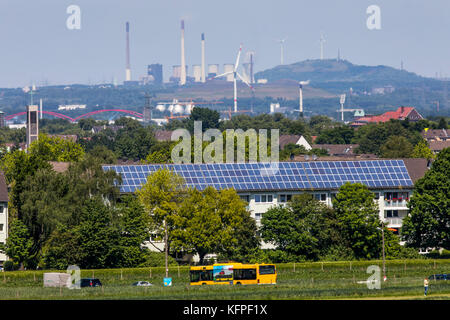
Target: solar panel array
pixel 276 176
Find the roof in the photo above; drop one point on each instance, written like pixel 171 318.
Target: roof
pixel 400 114
pixel 72 137
pixel 417 167
pixel 60 166
pixel 288 138
pixel 289 176
pixel 3 188
pixel 163 135
pixel 337 149
pixel 439 145
pixel 436 134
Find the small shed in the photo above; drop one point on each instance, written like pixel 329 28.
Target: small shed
pixel 55 279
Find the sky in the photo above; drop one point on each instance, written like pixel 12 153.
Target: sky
pixel 36 46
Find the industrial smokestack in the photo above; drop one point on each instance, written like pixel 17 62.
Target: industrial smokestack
pixel 183 60
pixel 128 68
pixel 203 59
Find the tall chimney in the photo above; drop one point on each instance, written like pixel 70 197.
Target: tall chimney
pixel 128 69
pixel 252 80
pixel 203 59
pixel 183 60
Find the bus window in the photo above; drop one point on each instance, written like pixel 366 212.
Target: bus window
pixel 195 276
pixel 244 274
pixel 206 275
pixel 266 269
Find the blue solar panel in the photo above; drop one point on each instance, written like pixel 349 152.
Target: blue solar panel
pixel 285 176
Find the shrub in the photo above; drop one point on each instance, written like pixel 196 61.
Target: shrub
pixel 157 259
pixel 10 266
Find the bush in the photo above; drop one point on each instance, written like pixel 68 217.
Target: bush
pixel 437 254
pixel 10 266
pixel 157 259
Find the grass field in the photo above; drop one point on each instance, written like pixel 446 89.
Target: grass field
pixel 328 280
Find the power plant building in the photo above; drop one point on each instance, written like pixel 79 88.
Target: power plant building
pixel 213 70
pixel 228 67
pixel 197 70
pixel 155 72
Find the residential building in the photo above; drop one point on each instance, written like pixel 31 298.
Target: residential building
pixel 337 149
pixel 402 113
pixel 3 215
pixel 299 140
pixel 263 186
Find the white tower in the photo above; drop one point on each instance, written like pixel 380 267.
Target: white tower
pixel 128 68
pixel 203 59
pixel 183 60
pixel 322 41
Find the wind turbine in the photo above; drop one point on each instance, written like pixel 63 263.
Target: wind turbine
pixel 322 41
pixel 282 41
pixel 235 75
pixel 300 88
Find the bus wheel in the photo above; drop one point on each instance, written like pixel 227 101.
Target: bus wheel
pixel 203 284
pixel 238 283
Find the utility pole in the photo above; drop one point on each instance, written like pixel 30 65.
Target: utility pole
pixel 166 247
pixel 384 263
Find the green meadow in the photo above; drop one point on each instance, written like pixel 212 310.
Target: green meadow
pixel 318 280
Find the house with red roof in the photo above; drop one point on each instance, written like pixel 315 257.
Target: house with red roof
pixel 402 113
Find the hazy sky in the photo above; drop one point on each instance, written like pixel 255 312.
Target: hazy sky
pixel 36 45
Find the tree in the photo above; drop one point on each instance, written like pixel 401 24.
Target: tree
pixel 161 196
pixel 56 149
pixel 421 150
pixel 18 244
pixel 212 221
pixel 358 218
pixel 209 118
pixel 134 230
pixel 428 223
pixel 302 228
pixel 337 135
pixel 97 236
pixel 396 147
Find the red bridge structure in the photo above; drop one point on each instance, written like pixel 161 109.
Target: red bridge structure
pixel 63 116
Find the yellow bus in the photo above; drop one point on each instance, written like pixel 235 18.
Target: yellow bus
pixel 233 273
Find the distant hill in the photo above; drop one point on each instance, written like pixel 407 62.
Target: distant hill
pixel 335 75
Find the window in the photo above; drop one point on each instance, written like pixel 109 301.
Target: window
pixel 257 216
pixel 285 197
pixel 245 198
pixel 321 196
pixel 244 274
pixel 1 227
pixel 266 269
pixel 391 214
pixel 2 208
pixel 263 198
pixel 198 275
pixel 377 195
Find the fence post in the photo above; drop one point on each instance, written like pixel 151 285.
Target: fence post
pixel 121 275
pixel 350 265
pixel 150 272
pixel 322 266
pixel 294 266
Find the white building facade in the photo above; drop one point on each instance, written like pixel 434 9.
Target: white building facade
pixel 3 216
